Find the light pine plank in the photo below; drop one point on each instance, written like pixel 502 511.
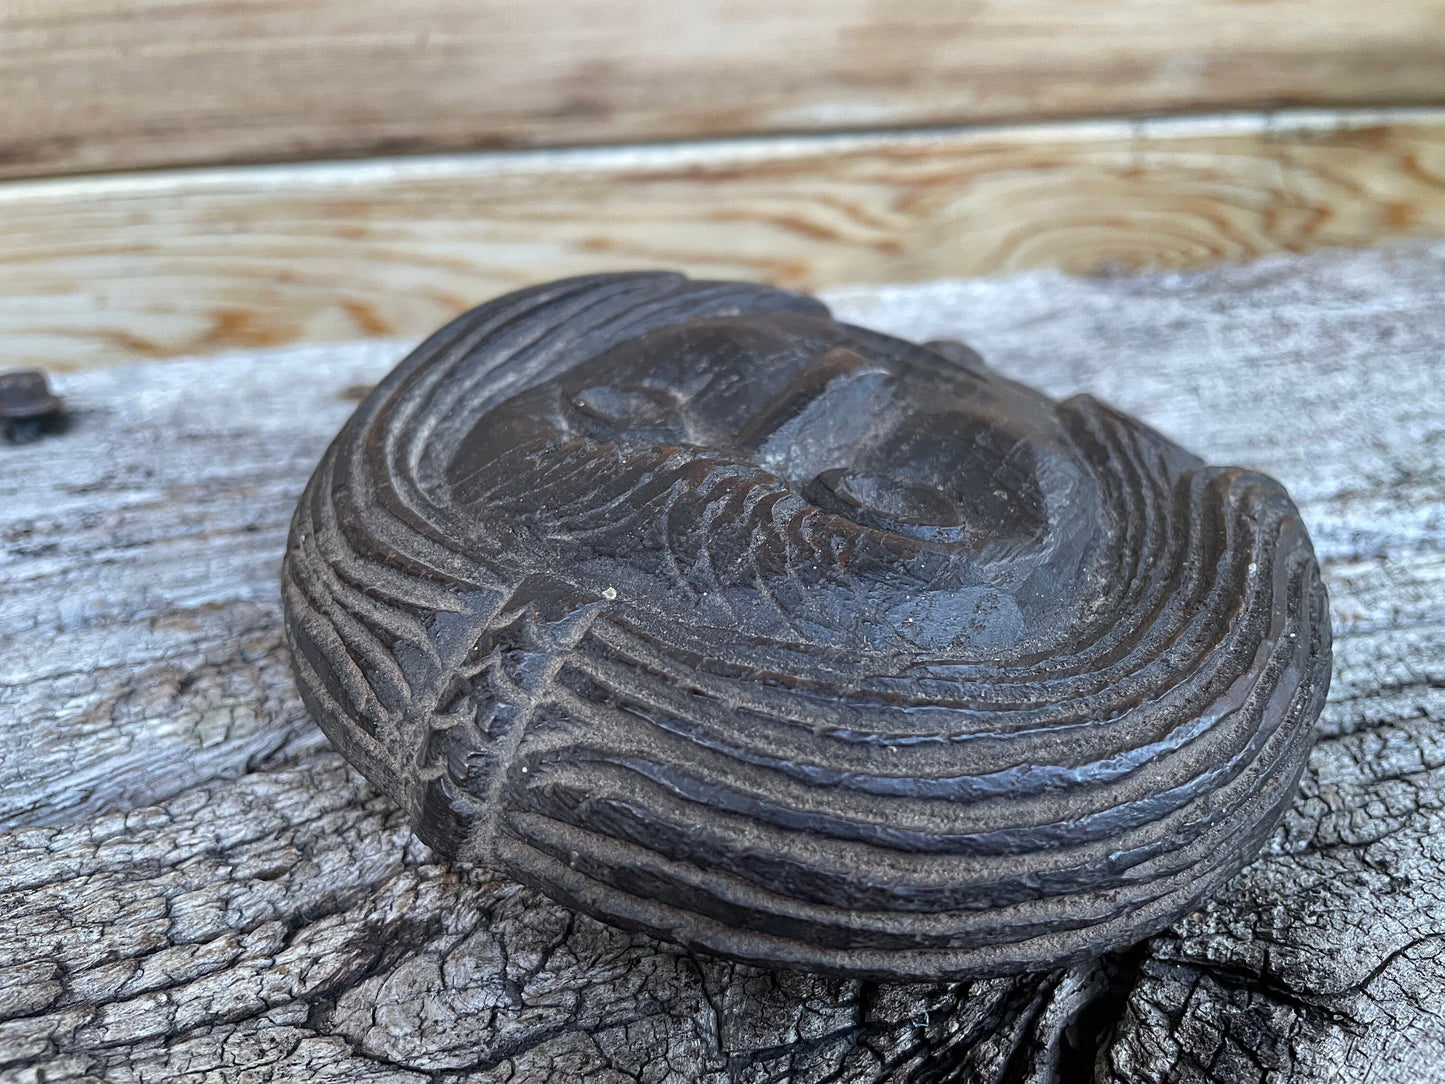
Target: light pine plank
pixel 117 84
pixel 119 268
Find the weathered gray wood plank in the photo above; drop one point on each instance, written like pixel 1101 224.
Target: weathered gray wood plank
pixel 195 887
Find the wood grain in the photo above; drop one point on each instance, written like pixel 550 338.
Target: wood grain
pixel 111 269
pixel 118 84
pixel 197 889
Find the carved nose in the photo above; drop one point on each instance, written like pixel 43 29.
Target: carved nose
pixel 814 391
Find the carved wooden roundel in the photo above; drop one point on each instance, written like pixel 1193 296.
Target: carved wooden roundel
pixel 798 643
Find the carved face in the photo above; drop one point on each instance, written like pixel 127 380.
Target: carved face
pixel 800 643
pixel 957 493
pixel 894 444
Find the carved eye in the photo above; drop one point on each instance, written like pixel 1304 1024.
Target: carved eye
pixel 888 504
pixel 625 406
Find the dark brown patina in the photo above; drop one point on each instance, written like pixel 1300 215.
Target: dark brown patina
pixel 798 643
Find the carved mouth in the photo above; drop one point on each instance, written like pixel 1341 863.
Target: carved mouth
pixel 889 504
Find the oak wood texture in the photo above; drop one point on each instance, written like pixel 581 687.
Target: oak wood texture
pixel 118 84
pixel 196 888
pixel 121 268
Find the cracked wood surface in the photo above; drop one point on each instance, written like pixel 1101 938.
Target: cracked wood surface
pixel 196 887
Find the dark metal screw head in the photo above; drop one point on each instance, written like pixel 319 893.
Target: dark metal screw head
pixel 28 410
pixel 25 393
